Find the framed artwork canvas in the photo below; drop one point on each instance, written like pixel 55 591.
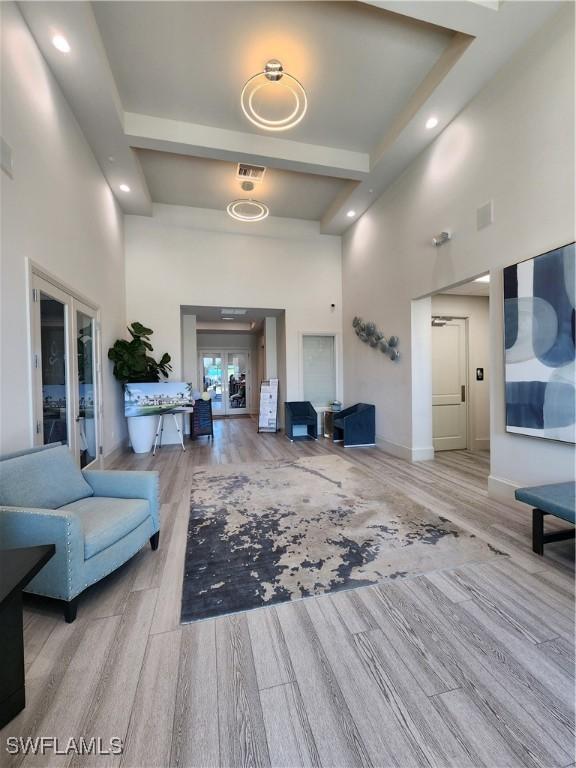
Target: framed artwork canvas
pixel 539 331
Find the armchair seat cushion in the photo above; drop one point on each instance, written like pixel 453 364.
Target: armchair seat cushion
pixel 105 520
pixel 45 479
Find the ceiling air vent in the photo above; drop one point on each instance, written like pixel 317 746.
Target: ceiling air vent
pixel 253 173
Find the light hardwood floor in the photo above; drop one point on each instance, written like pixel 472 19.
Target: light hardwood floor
pixel 472 666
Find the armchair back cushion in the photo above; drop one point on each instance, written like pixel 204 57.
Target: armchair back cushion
pixel 43 480
pixel 26 451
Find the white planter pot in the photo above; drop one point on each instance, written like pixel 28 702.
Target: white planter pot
pixel 142 430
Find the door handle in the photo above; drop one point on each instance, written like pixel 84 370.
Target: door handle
pixel 463 393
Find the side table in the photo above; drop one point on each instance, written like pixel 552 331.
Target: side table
pixel 17 568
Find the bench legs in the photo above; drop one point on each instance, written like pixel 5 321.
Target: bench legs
pixel 154 539
pixel 539 538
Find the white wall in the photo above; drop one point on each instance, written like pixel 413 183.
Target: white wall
pixel 514 143
pixel 185 256
pixel 281 361
pixel 59 212
pixel 476 310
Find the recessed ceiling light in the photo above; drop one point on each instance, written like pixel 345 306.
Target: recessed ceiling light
pixel 432 122
pixel 60 42
pixel 232 311
pixel 124 188
pixel 483 279
pixel 350 214
pixel 272 78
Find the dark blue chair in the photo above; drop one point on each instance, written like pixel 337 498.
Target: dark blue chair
pixel 355 425
pixel 300 421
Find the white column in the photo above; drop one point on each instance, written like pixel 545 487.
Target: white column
pixel 421 366
pixel 271 348
pixel 189 349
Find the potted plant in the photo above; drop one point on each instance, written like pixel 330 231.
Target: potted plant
pixel 132 364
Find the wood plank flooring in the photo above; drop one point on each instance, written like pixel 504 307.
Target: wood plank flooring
pixel 472 666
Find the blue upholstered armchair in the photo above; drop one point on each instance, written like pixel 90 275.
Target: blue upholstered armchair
pixel 355 425
pixel 96 519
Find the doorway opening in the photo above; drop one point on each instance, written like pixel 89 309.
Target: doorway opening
pixel 460 350
pixel 228 351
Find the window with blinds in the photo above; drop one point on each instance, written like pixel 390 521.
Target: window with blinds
pixel 319 369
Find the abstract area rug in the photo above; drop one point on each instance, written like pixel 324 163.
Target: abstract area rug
pixel 265 533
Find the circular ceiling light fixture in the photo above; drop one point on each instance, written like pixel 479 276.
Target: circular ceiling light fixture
pixel 432 122
pixel 273 87
pixel 247 210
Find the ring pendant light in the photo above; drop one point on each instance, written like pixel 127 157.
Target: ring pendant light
pixel 272 76
pixel 256 210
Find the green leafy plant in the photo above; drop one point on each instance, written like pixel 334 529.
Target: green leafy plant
pixel 131 360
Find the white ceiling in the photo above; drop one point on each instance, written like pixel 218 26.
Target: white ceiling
pixel 204 183
pixel 473 288
pixel 156 86
pixel 188 61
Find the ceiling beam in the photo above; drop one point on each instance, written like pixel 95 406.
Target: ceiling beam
pixel 183 138
pixel 499 35
pixel 86 79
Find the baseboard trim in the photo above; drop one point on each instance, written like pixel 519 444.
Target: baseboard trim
pixel 395 449
pixel 482 444
pixel 423 454
pixel 404 451
pixel 115 453
pixel 503 490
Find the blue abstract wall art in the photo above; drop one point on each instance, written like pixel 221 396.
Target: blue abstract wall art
pixel 539 339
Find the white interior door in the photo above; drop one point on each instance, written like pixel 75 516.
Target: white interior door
pixel 65 365
pixel 449 384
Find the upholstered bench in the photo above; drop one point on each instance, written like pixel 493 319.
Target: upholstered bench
pixel 557 499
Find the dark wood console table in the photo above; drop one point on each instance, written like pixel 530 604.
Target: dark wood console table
pixel 17 568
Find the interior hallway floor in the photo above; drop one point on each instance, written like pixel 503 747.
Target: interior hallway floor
pixel 463 667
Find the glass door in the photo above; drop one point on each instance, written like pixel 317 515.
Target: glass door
pixel 65 359
pixel 85 420
pixel 211 369
pixel 226 376
pixel 237 378
pixel 51 364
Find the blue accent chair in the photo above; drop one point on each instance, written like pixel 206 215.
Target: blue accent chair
pixel 300 421
pixel 355 425
pixel 96 519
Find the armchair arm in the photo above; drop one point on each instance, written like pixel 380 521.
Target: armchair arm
pixel 346 412
pixel 120 484
pixel 61 577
